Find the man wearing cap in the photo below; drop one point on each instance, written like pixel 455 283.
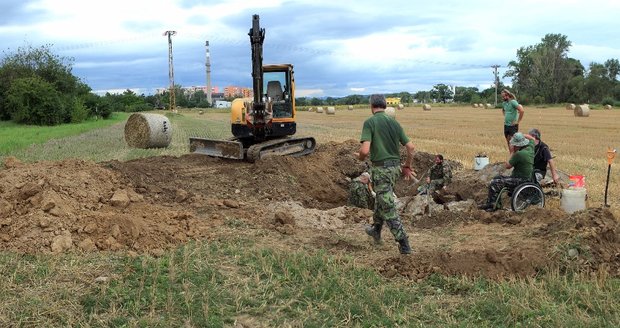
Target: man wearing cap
pixel 542 157
pixel 513 114
pixel 360 192
pixel 381 137
pixel 522 163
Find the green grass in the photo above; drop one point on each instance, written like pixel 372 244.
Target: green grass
pixel 15 137
pixel 104 143
pixel 222 283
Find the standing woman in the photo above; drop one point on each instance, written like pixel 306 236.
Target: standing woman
pixel 513 114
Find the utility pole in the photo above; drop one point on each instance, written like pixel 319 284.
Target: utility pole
pixel 495 67
pixel 208 64
pixel 171 69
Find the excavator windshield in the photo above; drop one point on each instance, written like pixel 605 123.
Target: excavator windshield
pixel 278 93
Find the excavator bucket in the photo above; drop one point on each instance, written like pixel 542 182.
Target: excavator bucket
pixel 216 148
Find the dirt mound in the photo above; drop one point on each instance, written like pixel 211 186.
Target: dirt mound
pixel 152 204
pixel 57 206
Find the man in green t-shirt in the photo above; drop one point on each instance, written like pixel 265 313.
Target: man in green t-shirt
pixel 513 114
pixel 522 164
pixel 381 138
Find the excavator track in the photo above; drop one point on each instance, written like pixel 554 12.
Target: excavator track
pixel 287 146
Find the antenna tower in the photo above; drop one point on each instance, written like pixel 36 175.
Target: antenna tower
pixel 171 69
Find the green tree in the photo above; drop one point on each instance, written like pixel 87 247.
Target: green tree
pixel 30 62
pixel 543 70
pixel 35 101
pixel 465 94
pixel 441 92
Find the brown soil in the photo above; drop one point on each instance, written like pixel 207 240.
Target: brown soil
pixel 153 204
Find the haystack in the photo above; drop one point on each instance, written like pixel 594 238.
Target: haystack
pixel 145 130
pixel 570 106
pixel 319 109
pixel 331 111
pixel 426 107
pixel 582 110
pixel 350 107
pixel 401 106
pixel 607 106
pixel 390 111
pixel 474 105
pixel 487 106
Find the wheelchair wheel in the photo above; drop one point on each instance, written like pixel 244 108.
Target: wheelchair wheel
pixel 527 194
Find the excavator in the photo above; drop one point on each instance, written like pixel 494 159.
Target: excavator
pixel 264 125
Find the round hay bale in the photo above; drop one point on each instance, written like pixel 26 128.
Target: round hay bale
pixel 475 105
pixel 426 107
pixel 582 110
pixel 401 106
pixel 350 107
pixel 607 106
pixel 200 112
pixel 145 130
pixel 487 106
pixel 481 105
pixel 331 111
pixel 391 111
pixel 319 109
pixel 570 106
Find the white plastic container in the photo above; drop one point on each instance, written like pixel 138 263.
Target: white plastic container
pixel 573 199
pixel 480 162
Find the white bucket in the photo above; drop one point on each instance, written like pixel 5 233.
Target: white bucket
pixel 480 162
pixel 573 199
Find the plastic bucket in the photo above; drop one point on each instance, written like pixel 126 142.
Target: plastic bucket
pixel 480 162
pixel 576 181
pixel 573 199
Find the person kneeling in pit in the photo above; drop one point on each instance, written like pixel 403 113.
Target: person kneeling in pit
pixel 361 193
pixel 438 176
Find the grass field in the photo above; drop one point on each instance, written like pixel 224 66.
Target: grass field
pixel 231 283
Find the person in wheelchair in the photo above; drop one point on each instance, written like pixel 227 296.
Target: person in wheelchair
pixel 522 163
pixel 542 157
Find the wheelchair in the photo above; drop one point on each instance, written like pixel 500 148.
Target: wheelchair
pixel 526 194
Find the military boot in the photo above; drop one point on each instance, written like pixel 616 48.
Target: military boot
pixel 374 231
pixel 403 246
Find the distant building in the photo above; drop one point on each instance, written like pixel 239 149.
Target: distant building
pixel 222 104
pixel 235 91
pixel 393 101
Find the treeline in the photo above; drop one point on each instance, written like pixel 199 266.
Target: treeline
pixel 38 87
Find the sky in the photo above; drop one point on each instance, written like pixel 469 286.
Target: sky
pixel 338 47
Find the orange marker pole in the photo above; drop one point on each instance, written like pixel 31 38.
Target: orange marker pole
pixel 611 153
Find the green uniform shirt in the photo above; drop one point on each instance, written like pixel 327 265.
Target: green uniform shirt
pixel 385 134
pixel 523 162
pixel 510 112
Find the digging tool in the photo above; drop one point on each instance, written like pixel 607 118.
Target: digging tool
pixel 428 191
pixel 611 153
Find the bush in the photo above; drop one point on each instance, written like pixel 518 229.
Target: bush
pixel 34 101
pixel 608 101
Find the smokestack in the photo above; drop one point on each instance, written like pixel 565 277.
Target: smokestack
pixel 208 64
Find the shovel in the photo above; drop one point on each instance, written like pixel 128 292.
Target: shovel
pixel 611 153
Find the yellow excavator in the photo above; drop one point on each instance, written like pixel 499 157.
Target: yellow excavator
pixel 264 125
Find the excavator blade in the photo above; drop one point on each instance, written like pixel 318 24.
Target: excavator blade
pixel 216 148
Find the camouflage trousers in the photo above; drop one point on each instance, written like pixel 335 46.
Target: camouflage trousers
pixel 384 179
pixel 359 195
pixel 434 185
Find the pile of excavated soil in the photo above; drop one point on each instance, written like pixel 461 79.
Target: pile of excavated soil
pixel 153 204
